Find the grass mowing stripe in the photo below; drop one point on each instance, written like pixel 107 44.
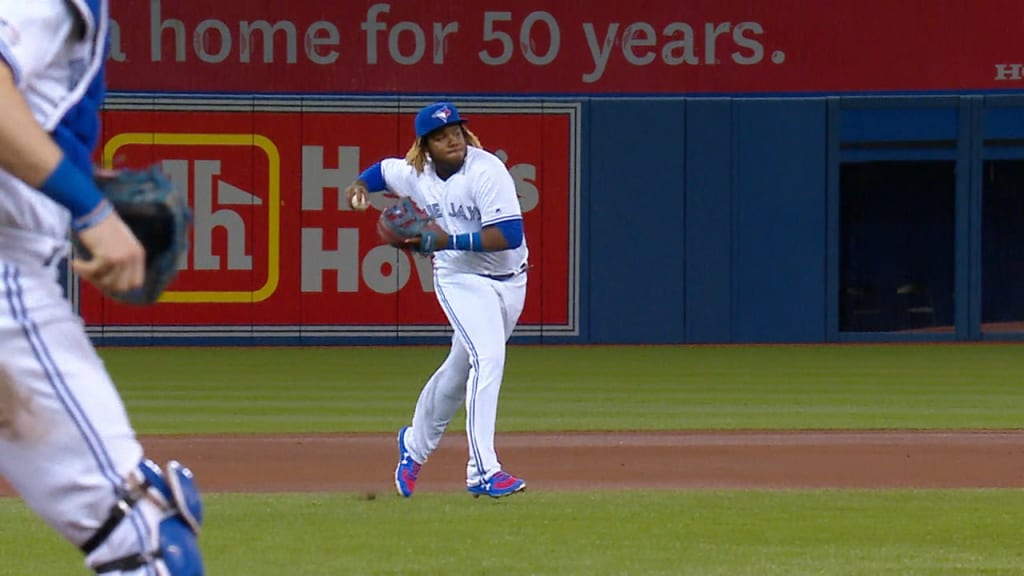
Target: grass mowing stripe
pixel 737 533
pixel 367 389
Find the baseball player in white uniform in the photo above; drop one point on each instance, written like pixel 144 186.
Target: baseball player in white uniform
pixel 480 262
pixel 66 445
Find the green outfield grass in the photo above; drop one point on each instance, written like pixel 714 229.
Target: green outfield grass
pixel 581 388
pixel 644 533
pixel 713 533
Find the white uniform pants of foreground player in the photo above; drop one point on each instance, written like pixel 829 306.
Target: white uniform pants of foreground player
pixel 483 312
pixel 66 445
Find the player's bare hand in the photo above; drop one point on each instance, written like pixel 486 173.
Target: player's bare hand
pixel 358 197
pixel 427 242
pixel 118 261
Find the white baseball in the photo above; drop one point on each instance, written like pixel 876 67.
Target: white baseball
pixel 359 202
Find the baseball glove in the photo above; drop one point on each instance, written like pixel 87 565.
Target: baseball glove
pixel 404 221
pixel 159 216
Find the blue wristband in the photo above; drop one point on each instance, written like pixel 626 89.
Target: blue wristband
pixel 468 242
pixel 73 189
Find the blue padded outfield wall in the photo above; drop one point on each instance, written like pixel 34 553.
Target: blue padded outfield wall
pixel 708 224
pixel 734 234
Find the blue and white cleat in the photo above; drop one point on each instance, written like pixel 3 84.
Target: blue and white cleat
pixel 499 485
pixel 408 470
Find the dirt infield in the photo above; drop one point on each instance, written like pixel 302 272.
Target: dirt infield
pixel 771 460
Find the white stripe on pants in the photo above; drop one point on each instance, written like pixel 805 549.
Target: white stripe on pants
pixel 483 312
pixel 71 443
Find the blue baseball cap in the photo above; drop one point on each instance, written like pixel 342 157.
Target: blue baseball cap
pixel 437 115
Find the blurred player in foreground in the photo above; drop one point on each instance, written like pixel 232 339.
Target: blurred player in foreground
pixel 66 445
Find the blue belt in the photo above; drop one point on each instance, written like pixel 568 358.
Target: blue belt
pixel 503 277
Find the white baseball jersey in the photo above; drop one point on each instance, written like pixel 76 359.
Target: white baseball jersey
pixel 483 312
pixel 56 61
pixel 480 194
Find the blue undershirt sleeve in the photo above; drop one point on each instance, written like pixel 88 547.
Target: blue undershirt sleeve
pixel 374 178
pixel 512 230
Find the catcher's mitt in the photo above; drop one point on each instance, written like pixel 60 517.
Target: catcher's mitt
pixel 406 220
pixel 159 216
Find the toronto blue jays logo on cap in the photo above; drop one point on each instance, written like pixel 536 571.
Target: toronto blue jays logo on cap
pixel 437 115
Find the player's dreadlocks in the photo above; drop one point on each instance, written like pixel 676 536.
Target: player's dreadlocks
pixel 417 154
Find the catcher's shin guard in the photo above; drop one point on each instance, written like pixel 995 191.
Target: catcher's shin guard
pixel 168 503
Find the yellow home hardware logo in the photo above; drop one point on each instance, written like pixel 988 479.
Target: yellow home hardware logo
pixel 223 211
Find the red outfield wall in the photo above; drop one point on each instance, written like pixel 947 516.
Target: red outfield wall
pixel 554 46
pixel 275 249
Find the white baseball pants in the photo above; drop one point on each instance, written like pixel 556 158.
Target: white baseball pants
pixel 66 444
pixel 482 312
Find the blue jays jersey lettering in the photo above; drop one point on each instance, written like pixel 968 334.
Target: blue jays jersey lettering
pixel 482 193
pixel 461 211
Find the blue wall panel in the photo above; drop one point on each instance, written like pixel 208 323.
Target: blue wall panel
pixel 708 229
pixel 779 221
pixel 634 206
pixel 898 119
pixel 1003 118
